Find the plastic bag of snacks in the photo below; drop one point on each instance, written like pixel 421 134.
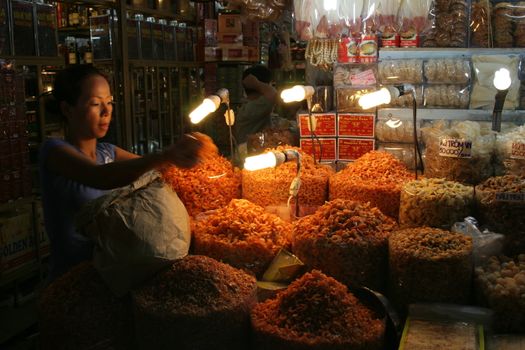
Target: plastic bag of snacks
pixel 401 71
pixel 501 286
pixel 270 187
pixel 270 138
pixel 211 184
pixel 241 234
pixel 500 202
pixel 509 24
pixel 450 24
pixel 406 99
pixel 402 151
pixel 434 202
pixel 446 96
pixel 348 99
pixel 510 152
pixel 480 26
pixel 346 240
pixel 429 265
pixel 447 71
pixel 460 153
pixel 376 177
pixel 395 130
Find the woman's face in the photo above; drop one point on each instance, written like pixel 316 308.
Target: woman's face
pixel 91 115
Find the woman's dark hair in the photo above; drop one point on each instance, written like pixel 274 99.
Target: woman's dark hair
pixel 68 85
pixel 262 74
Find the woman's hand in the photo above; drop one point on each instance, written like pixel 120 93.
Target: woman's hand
pixel 184 153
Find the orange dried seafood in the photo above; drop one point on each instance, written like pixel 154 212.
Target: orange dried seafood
pixel 316 312
pixel 376 177
pixel 346 240
pixel 271 186
pixel 211 184
pixel 241 234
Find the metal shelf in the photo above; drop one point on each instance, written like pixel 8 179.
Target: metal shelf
pixel 422 52
pixel 160 13
pixel 452 114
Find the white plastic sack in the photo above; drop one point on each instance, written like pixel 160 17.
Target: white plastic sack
pixel 137 230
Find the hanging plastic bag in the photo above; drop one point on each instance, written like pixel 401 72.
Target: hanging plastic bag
pixel 137 230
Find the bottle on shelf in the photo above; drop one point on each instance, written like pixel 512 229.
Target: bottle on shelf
pixel 71 50
pixel 73 16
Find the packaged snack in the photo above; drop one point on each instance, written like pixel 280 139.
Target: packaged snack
pixel 450 24
pixel 462 152
pixel 510 152
pixel 447 71
pixel 401 71
pixel 447 96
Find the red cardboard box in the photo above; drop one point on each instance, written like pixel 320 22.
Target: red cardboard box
pixel 230 23
pixel 234 53
pixel 356 125
pixel 324 124
pixel 325 148
pixel 230 38
pixel 212 54
pixel 351 149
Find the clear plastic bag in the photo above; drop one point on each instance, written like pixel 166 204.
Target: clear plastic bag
pixel 450 24
pixel 447 71
pixel 480 26
pixel 414 21
pixel 405 101
pixel 402 151
pixel 355 75
pixel 348 99
pixel 435 203
pixel 446 96
pixel 508 23
pixel 510 152
pixel 461 152
pixel 401 71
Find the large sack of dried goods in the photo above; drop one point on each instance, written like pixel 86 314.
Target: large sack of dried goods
pixel 241 234
pixel 137 230
pixel 429 265
pixel 501 286
pixel 347 240
pixel 197 303
pixel 500 203
pixel 78 311
pixel 270 187
pixel 376 177
pixel 435 202
pixel 316 312
pixel 211 184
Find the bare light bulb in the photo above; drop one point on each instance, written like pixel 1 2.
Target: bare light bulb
pixel 208 105
pixel 502 79
pixel 375 98
pixel 261 161
pixel 297 93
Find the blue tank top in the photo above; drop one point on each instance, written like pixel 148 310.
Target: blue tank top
pixel 62 199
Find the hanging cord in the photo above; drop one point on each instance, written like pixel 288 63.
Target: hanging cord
pixel 417 150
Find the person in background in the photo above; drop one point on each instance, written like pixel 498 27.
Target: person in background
pixel 255 114
pixel 80 168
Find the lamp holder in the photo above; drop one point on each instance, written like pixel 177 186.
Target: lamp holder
pixel 224 95
pixel 498 108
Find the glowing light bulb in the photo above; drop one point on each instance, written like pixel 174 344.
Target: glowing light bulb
pixel 297 93
pixel 208 105
pixel 261 161
pixel 502 79
pixel 375 98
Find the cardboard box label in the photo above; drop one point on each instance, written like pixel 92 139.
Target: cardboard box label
pixel 356 125
pixel 351 149
pixel 323 124
pixel 230 23
pixel 230 38
pixel 325 149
